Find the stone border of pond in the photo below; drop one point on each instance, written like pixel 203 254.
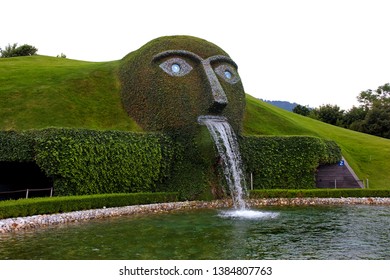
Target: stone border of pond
pixel 39 221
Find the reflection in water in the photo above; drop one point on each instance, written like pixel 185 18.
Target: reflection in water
pixel 342 232
pixel 242 222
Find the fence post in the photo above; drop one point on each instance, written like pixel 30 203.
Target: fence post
pixel 251 181
pixel 27 193
pixel 51 191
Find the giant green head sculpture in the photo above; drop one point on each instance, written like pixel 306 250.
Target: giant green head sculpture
pixel 171 81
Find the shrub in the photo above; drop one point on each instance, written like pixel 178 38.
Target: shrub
pixel 14 50
pixel 321 193
pixel 16 146
pixel 26 50
pixel 87 162
pixel 37 206
pixel 286 162
pixel 82 162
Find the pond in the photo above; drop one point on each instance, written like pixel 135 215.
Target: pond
pixel 299 232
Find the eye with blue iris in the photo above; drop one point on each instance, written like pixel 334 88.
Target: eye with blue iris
pixel 228 73
pixel 176 67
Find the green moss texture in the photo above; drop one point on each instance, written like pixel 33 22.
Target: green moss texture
pixel 158 101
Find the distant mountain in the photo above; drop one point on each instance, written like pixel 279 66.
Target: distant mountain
pixel 282 104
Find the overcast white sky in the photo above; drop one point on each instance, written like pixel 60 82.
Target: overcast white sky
pixel 305 51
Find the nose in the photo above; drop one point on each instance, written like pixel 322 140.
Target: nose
pixel 219 99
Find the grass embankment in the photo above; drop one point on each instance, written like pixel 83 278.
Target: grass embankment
pixel 368 155
pixel 41 91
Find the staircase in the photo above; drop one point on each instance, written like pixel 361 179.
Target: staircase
pixel 337 176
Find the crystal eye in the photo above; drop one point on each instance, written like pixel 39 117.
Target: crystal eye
pixel 228 73
pixel 176 67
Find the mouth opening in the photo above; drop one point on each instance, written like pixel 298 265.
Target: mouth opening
pixel 202 119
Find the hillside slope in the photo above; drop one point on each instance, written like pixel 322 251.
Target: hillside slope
pixel 40 91
pixel 368 155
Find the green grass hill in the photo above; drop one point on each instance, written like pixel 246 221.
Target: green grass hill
pixel 42 91
pixel 39 92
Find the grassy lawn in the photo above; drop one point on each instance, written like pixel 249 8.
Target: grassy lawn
pixel 41 91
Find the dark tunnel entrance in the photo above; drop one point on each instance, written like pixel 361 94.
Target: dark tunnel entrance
pixel 17 177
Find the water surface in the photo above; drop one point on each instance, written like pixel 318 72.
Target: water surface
pixel 311 232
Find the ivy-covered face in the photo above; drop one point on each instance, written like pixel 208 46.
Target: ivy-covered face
pixel 171 81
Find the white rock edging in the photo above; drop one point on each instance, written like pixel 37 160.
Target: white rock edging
pixel 37 221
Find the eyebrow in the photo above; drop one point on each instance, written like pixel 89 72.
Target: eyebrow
pixel 177 52
pixel 222 58
pixel 215 58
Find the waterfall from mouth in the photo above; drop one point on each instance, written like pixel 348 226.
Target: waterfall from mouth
pixel 227 146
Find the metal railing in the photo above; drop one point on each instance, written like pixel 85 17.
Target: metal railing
pixel 28 191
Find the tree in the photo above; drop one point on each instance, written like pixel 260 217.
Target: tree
pixel 376 103
pixel 369 97
pixel 372 116
pixel 14 51
pixel 377 121
pixel 328 113
pixel 301 110
pixel 26 50
pixel 354 118
pixel 9 51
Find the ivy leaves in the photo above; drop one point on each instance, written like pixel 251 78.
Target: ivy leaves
pixel 84 161
pixel 286 162
pixel 88 162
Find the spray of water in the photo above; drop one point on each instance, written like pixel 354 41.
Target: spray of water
pixel 248 214
pixel 227 146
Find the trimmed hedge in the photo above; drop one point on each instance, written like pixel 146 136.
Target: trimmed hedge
pixel 84 161
pixel 38 206
pixel 321 193
pixel 16 146
pixel 286 162
pixel 88 162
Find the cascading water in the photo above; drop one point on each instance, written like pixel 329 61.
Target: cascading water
pixel 227 146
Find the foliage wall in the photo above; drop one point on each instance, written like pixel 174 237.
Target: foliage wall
pixel 87 162
pixel 286 162
pixel 16 146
